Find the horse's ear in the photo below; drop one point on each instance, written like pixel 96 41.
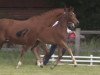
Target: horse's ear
pixel 71 8
pixel 65 9
pixel 68 8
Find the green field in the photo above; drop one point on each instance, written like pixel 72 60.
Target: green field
pixel 9 59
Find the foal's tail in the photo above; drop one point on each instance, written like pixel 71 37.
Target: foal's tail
pixel 21 33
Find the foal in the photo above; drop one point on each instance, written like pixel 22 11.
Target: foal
pixel 57 34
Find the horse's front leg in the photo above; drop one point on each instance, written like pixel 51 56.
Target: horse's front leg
pixel 23 50
pixel 70 51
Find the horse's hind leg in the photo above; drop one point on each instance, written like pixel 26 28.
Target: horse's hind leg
pixel 36 52
pixel 60 54
pixel 44 47
pixel 23 50
pixel 37 55
pixel 1 44
pixel 2 40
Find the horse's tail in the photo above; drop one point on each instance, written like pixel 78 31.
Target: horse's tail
pixel 21 33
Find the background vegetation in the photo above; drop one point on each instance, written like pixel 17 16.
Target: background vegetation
pixel 88 12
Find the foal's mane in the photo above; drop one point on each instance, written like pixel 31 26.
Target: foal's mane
pixel 58 11
pixel 53 11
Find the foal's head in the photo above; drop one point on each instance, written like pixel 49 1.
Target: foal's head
pixel 72 21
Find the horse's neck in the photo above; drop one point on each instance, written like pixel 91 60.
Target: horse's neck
pixel 62 24
pixel 53 13
pixel 50 17
pixel 53 16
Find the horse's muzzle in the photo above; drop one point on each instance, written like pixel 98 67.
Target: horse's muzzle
pixel 71 26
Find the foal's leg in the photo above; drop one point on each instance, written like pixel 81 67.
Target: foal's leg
pixel 1 44
pixel 44 47
pixel 36 51
pixel 37 55
pixel 58 59
pixel 24 49
pixel 64 45
pixel 70 51
pixel 2 39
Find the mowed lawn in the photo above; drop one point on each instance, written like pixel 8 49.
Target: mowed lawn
pixel 9 59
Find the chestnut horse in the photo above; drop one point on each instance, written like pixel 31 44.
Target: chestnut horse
pixel 35 24
pixel 57 35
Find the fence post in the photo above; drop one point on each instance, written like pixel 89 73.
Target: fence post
pixel 77 41
pixel 91 60
pixel 53 58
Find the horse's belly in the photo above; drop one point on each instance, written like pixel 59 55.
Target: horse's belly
pixel 20 42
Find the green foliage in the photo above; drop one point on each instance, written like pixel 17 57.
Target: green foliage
pixel 88 11
pixel 90 46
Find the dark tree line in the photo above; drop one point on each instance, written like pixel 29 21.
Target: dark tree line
pixel 88 11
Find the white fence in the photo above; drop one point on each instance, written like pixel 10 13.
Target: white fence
pixel 81 60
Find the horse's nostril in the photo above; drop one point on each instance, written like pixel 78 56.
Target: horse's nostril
pixel 78 22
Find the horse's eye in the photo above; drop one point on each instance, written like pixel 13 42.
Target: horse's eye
pixel 73 13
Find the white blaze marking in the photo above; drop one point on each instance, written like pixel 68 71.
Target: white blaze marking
pixel 73 25
pixel 69 31
pixel 55 23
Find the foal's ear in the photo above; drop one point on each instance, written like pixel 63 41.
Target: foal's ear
pixel 65 9
pixel 70 9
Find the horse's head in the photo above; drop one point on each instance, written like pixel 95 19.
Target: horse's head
pixel 72 21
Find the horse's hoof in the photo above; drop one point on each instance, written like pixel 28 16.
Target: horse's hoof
pixel 17 67
pixel 52 67
pixel 75 65
pixel 41 66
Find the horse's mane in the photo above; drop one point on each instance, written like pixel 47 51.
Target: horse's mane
pixel 60 10
pixel 53 11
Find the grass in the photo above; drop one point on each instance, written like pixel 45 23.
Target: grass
pixel 59 70
pixel 9 59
